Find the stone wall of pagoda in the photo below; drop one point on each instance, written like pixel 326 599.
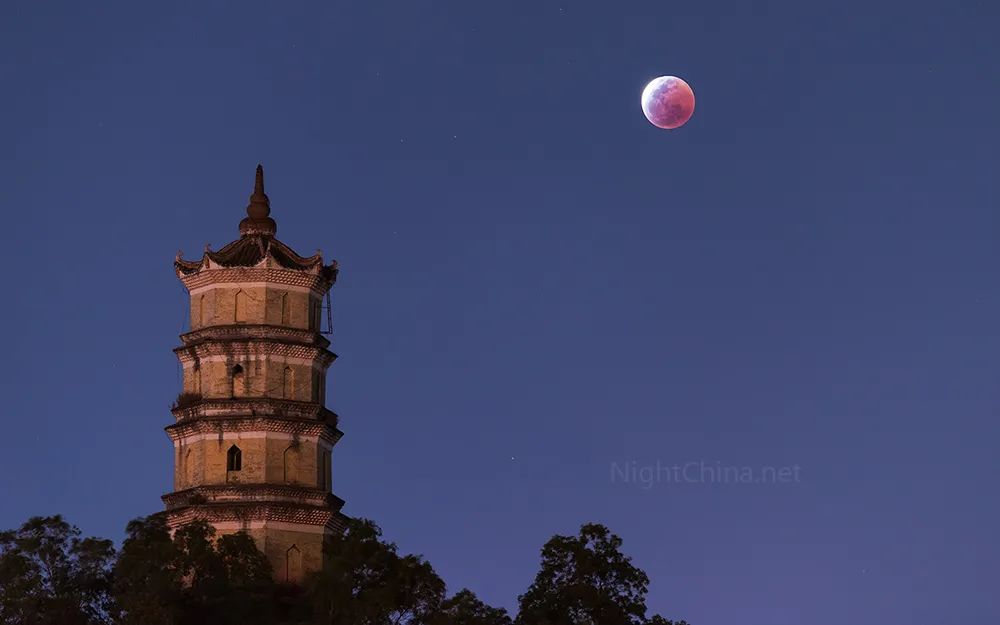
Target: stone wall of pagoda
pixel 267 458
pixel 261 303
pixel 253 439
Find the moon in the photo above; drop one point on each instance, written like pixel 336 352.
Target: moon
pixel 667 102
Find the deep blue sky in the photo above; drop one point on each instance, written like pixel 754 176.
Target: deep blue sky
pixel 536 283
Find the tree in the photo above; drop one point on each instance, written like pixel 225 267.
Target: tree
pixel 464 608
pixel 191 577
pixel 148 588
pixel 51 576
pixel 659 620
pixel 365 582
pixel 586 580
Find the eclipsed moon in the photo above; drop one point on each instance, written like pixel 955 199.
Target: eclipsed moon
pixel 668 102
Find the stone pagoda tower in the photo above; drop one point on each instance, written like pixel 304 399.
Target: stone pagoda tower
pixel 252 437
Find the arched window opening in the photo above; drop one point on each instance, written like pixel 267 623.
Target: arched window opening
pixel 314 314
pixel 200 317
pixel 196 378
pixel 291 465
pixel 239 385
pixel 187 471
pixel 293 564
pixel 324 478
pixel 285 310
pixel 234 459
pixel 287 381
pixel 241 307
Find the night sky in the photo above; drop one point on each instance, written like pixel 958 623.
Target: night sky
pixel 539 290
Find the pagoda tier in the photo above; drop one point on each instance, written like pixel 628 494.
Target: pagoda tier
pixel 253 438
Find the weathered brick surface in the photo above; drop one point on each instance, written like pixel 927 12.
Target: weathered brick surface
pixel 236 303
pixel 231 354
pixel 276 459
pixel 262 376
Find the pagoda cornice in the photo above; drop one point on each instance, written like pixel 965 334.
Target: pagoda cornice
pixel 263 274
pixel 254 407
pixel 267 493
pixel 243 332
pixel 193 424
pixel 247 512
pixel 251 347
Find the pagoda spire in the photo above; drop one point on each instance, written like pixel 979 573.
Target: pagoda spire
pixel 259 206
pixel 258 220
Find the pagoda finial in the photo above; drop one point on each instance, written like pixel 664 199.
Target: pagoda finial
pixel 257 220
pixel 259 206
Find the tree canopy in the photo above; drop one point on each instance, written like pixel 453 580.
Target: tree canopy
pixel 191 577
pixel 50 575
pixel 586 580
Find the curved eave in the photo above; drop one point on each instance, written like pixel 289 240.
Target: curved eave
pixel 187 267
pixel 254 251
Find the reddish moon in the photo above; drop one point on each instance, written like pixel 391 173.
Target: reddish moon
pixel 667 102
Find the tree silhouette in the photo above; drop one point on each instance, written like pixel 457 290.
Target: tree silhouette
pixel 464 608
pixel 586 580
pixel 365 582
pixel 192 577
pixel 49 575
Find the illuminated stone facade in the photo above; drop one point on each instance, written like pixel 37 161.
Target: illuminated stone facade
pixel 252 437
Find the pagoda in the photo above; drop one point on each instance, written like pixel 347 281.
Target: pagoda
pixel 252 437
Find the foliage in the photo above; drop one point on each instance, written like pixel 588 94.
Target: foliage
pixel 148 584
pixel 366 582
pixel 586 579
pixel 464 608
pixel 192 577
pixel 659 620
pixel 51 576
pixel 185 400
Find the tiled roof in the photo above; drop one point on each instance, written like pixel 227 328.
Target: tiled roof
pixel 248 251
pixel 257 243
